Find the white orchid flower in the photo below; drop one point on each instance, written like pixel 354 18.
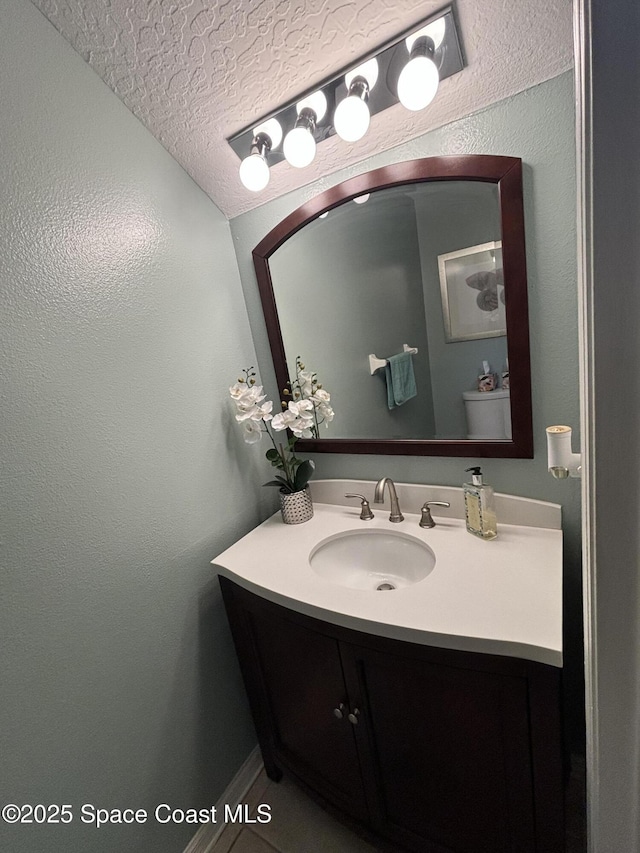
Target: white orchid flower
pixel 326 413
pixel 250 414
pixel 264 411
pixel 305 380
pixel 283 420
pixel 252 432
pixel 301 430
pixel 301 408
pixel 321 396
pixel 255 413
pixel 251 397
pixel 243 391
pixel 300 418
pixel 237 390
pixel 278 422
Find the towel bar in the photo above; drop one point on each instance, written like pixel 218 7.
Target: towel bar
pixel 376 363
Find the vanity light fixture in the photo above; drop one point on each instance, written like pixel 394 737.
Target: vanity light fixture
pixel 405 70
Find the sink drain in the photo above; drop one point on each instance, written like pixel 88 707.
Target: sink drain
pixel 383 587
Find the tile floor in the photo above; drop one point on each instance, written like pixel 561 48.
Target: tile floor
pixel 299 825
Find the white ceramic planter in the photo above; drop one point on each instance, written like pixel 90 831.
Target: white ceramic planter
pixel 296 507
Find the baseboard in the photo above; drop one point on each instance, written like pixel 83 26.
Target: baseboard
pixel 234 794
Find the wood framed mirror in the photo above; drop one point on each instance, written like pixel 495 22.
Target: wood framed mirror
pixel 433 259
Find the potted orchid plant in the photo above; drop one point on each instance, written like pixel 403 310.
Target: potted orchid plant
pixel 307 407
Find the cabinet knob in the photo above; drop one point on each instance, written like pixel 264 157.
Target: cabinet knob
pixel 339 711
pixel 353 716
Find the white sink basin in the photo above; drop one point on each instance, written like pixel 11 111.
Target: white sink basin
pixel 372 559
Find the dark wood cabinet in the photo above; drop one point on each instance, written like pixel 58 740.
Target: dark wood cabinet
pixel 436 750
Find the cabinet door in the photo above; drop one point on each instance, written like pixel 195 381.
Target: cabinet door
pixel 295 682
pixel 449 755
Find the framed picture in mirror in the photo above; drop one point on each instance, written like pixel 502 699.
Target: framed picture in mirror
pixel 472 292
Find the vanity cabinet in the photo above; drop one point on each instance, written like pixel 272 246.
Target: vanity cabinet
pixel 436 750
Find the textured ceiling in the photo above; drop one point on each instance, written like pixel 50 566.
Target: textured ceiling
pixel 195 72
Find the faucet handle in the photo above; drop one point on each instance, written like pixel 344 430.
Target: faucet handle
pixel 426 520
pixel 365 512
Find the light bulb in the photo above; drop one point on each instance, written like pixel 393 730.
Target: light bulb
pixel 351 118
pixel 317 103
pixel 360 199
pixel 271 128
pixel 254 172
pixel 436 31
pixel 299 147
pixel 418 83
pixel 299 144
pixel 368 70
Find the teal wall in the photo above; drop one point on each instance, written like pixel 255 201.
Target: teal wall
pixel 123 323
pixel 538 126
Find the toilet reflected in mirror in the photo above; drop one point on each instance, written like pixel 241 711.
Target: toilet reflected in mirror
pixel 488 415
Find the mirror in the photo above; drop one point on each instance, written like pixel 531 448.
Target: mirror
pixel 432 262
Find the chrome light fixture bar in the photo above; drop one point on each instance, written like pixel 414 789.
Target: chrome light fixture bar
pixel 406 70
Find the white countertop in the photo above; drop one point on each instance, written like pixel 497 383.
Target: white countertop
pixel 499 597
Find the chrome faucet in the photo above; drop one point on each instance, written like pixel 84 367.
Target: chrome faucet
pixel 378 498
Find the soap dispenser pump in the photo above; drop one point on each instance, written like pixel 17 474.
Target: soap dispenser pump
pixel 479 506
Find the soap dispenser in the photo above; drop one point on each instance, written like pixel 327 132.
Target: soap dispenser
pixel 479 506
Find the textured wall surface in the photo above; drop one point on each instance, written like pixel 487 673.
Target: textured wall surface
pixel 123 323
pixel 538 126
pixel 196 72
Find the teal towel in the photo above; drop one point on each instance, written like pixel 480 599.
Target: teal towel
pixel 401 383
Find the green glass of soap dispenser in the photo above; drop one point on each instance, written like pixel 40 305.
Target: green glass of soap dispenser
pixel 479 506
